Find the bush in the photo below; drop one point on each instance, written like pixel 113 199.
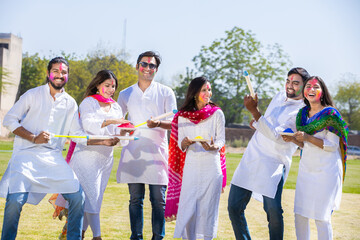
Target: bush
pixel 237 143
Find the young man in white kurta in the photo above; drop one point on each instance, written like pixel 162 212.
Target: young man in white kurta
pixel 36 166
pixel 266 162
pixel 145 161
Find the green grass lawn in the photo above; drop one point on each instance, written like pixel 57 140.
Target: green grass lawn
pixel 36 221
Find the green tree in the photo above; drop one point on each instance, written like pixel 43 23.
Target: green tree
pixel 79 78
pixel 125 73
pixel 224 62
pixel 33 72
pixel 347 100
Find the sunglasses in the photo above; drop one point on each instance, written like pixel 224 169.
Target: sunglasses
pixel 145 64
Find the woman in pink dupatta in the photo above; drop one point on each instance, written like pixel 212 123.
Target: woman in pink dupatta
pixel 197 171
pixel 99 115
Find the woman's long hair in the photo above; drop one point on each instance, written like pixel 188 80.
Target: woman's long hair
pixel 325 99
pixel 100 78
pixel 192 91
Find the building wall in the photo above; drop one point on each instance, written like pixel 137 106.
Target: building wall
pixel 10 61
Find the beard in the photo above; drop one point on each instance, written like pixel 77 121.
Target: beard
pixel 290 95
pixel 57 87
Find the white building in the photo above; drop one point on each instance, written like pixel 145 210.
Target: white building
pixel 10 62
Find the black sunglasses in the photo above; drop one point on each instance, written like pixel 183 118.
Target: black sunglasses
pixel 145 64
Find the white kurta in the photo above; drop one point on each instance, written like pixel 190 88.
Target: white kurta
pixel 145 160
pixel 319 182
pixel 202 179
pixel 41 168
pixel 92 164
pixel 262 165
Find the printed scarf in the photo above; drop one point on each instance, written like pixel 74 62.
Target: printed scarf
pixel 177 159
pixel 330 119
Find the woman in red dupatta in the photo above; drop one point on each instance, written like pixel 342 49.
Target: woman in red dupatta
pixel 197 170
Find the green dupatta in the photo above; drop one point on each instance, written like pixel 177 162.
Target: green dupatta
pixel 327 119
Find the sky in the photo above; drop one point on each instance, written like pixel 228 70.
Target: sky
pixel 322 36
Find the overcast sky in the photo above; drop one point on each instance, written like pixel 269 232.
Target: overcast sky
pixel 321 35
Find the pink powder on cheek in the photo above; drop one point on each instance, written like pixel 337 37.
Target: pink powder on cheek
pixel 141 69
pixel 65 78
pixel 51 76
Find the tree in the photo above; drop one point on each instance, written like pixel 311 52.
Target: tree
pixel 125 73
pixel 347 100
pixel 33 72
pixel 224 62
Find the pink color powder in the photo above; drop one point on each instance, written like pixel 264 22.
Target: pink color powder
pixel 51 77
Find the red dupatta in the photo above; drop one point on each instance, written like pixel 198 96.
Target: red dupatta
pixel 177 159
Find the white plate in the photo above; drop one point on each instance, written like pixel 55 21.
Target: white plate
pixel 124 128
pixel 287 133
pixel 200 140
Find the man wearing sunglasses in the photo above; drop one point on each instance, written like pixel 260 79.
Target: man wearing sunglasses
pixel 145 161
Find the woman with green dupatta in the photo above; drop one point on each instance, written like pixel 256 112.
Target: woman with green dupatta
pixel 322 134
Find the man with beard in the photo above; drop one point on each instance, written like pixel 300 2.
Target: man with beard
pixel 37 166
pixel 145 161
pixel 266 162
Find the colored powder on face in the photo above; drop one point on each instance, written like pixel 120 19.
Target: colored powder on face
pixel 299 92
pixel 313 82
pixel 292 77
pixel 208 86
pixel 65 77
pixel 61 67
pixel 200 98
pixel 149 59
pixel 51 77
pixel 318 94
pixel 141 69
pixel 102 90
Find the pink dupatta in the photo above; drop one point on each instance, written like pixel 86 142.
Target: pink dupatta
pixel 177 159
